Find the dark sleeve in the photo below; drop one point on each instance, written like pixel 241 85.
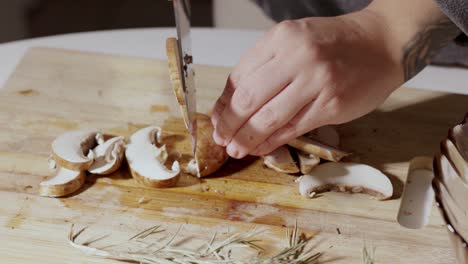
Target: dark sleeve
pixel 457 11
pixel 280 10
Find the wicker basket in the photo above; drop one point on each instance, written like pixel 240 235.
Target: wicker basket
pixel 452 192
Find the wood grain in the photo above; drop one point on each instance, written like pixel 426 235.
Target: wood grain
pixel 53 91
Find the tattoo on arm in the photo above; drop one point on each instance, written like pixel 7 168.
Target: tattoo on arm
pixel 418 52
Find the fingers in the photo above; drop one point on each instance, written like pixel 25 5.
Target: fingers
pixel 252 60
pixel 222 100
pixel 251 94
pixel 270 117
pixel 313 115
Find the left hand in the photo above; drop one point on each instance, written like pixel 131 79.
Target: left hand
pixel 304 74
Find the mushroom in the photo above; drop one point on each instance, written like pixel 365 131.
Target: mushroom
pixel 318 149
pixel 458 154
pixel 325 134
pixel 108 156
pixel 281 160
pixel 307 161
pixel 346 177
pixel 175 71
pixel 73 150
pixel 147 161
pixel 209 155
pixel 64 182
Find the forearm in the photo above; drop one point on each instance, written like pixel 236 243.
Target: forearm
pixel 415 31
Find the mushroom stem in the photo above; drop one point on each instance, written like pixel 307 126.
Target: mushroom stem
pixel 318 149
pixel 63 183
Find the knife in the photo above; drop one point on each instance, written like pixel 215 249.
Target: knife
pixel 182 14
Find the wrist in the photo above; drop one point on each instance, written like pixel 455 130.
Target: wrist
pixel 414 30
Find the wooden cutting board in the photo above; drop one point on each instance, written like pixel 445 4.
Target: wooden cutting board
pixel 53 91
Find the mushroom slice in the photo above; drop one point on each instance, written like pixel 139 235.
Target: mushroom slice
pixel 346 177
pixel 326 134
pixel 72 150
pixel 146 160
pixel 307 161
pixel 108 156
pixel 63 183
pixel 210 156
pixel 175 71
pixel 318 149
pixel 281 160
pixel 458 154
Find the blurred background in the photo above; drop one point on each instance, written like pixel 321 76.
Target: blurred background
pixel 20 19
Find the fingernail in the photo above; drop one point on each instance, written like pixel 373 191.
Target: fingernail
pixel 232 151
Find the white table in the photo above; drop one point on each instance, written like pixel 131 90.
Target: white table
pixel 210 46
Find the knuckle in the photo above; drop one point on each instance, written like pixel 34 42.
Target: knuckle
pixel 284 28
pixel 266 118
pixel 335 105
pixel 233 79
pixel 312 49
pixel 243 98
pixel 290 130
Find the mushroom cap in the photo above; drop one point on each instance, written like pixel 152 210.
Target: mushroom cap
pixel 147 161
pixel 108 156
pixel 307 161
pixel 346 177
pixel 210 156
pixel 64 182
pixel 71 150
pixel 281 160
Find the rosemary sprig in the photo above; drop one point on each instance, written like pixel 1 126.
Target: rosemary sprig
pixel 214 252
pixel 368 257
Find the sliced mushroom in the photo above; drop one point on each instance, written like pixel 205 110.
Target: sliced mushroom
pixel 73 150
pixel 318 149
pixel 63 183
pixel 346 177
pixel 210 156
pixel 147 161
pixel 108 156
pixel 326 134
pixel 458 154
pixel 457 160
pixel 281 160
pixel 175 71
pixel 307 161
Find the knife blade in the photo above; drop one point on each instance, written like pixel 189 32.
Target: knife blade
pixel 182 14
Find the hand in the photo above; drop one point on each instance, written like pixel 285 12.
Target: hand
pixel 304 74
